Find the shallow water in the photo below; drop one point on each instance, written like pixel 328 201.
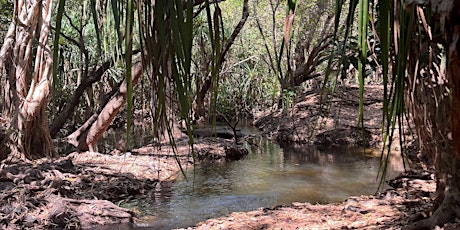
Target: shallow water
pixel 267 177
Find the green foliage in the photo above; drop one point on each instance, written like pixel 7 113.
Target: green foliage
pixel 261 43
pixel 6 12
pixel 179 50
pixel 288 97
pixel 243 90
pixel 110 30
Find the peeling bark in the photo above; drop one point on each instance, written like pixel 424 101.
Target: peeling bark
pixel 447 161
pixel 28 89
pixel 454 73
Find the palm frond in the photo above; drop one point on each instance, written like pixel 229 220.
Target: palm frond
pixel 393 106
pixel 57 34
pixel 384 39
pixel 96 27
pixel 129 64
pixel 396 106
pixel 363 19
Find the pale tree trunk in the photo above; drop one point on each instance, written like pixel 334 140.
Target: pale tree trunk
pixel 446 158
pixel 29 88
pixel 86 137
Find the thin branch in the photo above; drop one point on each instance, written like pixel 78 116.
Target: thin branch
pixel 71 22
pixel 259 26
pixel 202 7
pixel 236 31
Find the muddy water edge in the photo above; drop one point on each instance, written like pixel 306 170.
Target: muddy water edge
pixel 269 176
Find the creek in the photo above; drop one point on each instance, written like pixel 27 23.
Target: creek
pixel 269 176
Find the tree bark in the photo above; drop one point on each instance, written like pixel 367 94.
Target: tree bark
pixel 447 160
pixel 93 77
pixel 87 136
pixel 29 88
pixel 4 139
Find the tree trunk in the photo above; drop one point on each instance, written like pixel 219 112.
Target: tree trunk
pixel 447 160
pixel 72 104
pixel 29 88
pixel 4 149
pixel 87 136
pixel 199 108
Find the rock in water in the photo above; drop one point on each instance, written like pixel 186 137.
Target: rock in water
pixel 235 153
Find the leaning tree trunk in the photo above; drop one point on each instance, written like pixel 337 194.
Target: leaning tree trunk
pixel 93 77
pixel 28 89
pixel 447 160
pixel 87 135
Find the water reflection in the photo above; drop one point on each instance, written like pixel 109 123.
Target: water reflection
pixel 267 177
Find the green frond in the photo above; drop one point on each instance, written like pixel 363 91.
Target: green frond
pixel 384 38
pixel 57 34
pixel 393 105
pixel 129 64
pixel 363 19
pixel 396 106
pixel 96 27
pixel 116 11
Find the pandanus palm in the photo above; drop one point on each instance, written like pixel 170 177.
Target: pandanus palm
pixel 153 37
pixel 415 37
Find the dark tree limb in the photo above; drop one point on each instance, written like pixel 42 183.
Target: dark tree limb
pixel 87 136
pixel 307 69
pixel 228 44
pixel 236 31
pixel 93 77
pixel 202 7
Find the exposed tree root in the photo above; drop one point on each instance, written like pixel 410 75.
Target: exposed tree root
pixel 99 212
pixel 45 193
pixel 446 212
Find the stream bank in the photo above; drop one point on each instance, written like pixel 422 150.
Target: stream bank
pixel 84 190
pixel 391 209
pixel 326 120
pixel 335 124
